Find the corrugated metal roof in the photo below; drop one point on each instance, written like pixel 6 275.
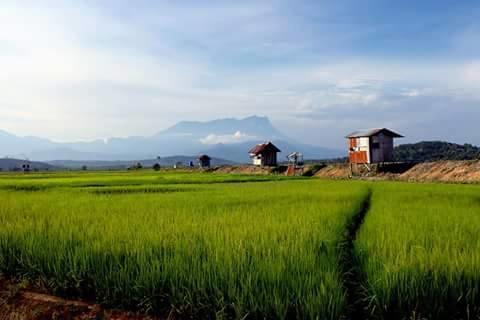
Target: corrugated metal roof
pixel 374 132
pixel 264 147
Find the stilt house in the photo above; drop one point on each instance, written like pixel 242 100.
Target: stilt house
pixel 371 146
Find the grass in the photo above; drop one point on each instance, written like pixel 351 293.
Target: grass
pixel 420 250
pixel 43 181
pixel 232 246
pixel 225 246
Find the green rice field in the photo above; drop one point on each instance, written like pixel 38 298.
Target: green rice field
pixel 208 245
pixel 420 250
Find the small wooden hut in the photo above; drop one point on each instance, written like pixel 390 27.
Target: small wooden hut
pixel 204 161
pixel 264 154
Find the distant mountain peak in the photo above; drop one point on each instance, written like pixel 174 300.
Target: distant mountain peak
pixel 256 118
pixel 253 118
pixel 252 126
pixel 228 138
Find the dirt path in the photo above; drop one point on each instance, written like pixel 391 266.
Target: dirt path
pixel 353 278
pixel 17 303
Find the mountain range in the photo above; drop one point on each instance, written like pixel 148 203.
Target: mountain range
pixel 228 139
pixel 8 164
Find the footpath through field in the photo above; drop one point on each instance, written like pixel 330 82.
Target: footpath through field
pixel 353 277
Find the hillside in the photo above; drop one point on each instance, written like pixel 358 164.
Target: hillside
pixel 465 171
pixel 444 171
pixel 7 164
pixel 435 151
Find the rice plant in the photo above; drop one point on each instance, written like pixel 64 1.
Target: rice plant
pixel 420 250
pixel 233 246
pixel 213 250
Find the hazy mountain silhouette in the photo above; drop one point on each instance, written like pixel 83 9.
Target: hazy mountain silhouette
pixel 254 126
pixel 7 164
pixel 223 138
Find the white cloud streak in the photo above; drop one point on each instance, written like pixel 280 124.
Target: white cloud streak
pixel 79 72
pixel 236 137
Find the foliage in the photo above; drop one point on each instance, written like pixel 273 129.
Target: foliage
pixel 434 151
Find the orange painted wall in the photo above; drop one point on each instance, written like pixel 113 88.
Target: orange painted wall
pixel 353 142
pixel 358 157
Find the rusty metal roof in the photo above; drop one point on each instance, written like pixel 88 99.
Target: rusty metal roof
pixel 264 147
pixel 374 132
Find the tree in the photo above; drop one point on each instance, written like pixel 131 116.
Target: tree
pixel 156 166
pixel 436 150
pixel 84 168
pixel 136 166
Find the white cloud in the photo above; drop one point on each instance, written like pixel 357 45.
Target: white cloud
pixel 237 137
pixel 72 87
pixel 471 74
pixel 412 93
pixel 73 71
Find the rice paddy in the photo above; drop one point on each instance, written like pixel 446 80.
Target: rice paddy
pixel 235 246
pixel 420 251
pixel 210 249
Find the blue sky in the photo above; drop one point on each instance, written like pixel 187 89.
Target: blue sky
pixel 79 70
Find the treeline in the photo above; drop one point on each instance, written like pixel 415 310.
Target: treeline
pixel 435 150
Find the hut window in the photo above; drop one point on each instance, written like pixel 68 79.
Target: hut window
pixel 375 145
